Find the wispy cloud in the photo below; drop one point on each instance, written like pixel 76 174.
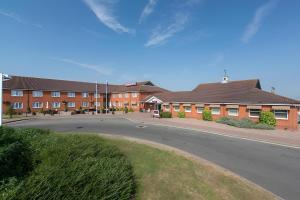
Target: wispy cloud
pixel 18 19
pixel 103 9
pixel 148 10
pixel 260 14
pixel 96 68
pixel 160 36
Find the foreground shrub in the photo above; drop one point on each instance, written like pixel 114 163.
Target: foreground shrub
pixel 166 115
pixel 243 123
pixel 267 117
pixel 206 115
pixel 181 114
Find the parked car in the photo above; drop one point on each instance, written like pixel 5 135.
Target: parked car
pixel 155 114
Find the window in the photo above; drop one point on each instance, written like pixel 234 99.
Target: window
pixel 85 104
pixel 37 93
pixel 55 105
pixel 17 105
pixel 233 111
pixel 167 107
pixel 134 104
pixel 281 114
pixel 187 109
pixel 85 94
pixel 215 111
pixel 176 108
pixel 126 95
pixel 120 95
pixel 254 113
pixel 71 94
pixel 97 104
pixel 200 109
pixel 17 93
pixel 55 94
pixel 114 104
pixel 134 94
pixel 71 104
pixel 114 95
pixel 37 105
pixel 96 95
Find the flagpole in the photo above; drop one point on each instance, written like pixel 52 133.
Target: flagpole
pixel 96 96
pixel 106 96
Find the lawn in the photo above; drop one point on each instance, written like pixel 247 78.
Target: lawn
pixel 37 164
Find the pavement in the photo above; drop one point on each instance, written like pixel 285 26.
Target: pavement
pixel 273 167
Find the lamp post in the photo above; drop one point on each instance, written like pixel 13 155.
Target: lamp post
pixel 4 77
pixel 96 98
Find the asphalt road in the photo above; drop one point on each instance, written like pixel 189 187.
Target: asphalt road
pixel 273 167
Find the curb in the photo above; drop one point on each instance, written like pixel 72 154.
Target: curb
pixel 17 120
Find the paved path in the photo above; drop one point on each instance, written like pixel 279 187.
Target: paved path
pixel 273 167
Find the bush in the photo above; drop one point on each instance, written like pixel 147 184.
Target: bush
pixel 181 114
pixel 130 110
pixel 166 115
pixel 267 117
pixel 243 123
pixel 206 115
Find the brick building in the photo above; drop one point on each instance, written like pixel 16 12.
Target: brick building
pixel 238 99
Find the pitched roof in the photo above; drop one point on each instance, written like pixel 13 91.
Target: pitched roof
pixel 247 92
pixel 31 83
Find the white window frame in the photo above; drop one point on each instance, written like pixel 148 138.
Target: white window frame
pixel 120 104
pixel 55 104
pixel 85 95
pixel 254 116
pixel 17 105
pixel 167 107
pixel 215 113
pixel 281 118
pixel 16 93
pixel 55 94
pixel 71 94
pixel 120 95
pixel 85 104
pixel 71 104
pixel 37 105
pixel 187 111
pixel 37 93
pixel 98 104
pixel 200 111
pixel 233 114
pixel 97 96
pixel 126 95
pixel 134 94
pixel 176 110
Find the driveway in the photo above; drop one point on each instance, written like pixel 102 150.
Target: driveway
pixel 273 167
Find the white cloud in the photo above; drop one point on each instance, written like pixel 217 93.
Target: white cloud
pixel 260 14
pixel 96 68
pixel 148 10
pixel 160 36
pixel 103 9
pixel 18 19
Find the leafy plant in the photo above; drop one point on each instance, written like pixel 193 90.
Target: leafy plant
pixel 206 115
pixel 9 110
pixel 166 115
pixel 267 117
pixel 181 114
pixel 243 123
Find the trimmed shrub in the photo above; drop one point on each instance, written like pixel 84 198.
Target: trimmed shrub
pixel 166 115
pixel 206 115
pixel 267 117
pixel 130 110
pixel 181 114
pixel 243 123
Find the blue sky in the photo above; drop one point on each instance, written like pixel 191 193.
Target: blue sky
pixel 175 43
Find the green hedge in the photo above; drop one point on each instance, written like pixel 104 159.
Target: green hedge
pixel 243 123
pixel 267 117
pixel 181 114
pixel 166 115
pixel 68 167
pixel 206 115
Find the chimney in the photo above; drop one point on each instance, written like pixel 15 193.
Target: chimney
pixel 273 90
pixel 225 77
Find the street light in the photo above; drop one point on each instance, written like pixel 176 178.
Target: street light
pixel 4 77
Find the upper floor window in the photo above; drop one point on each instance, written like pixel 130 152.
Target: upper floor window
pixel 281 114
pixel 37 105
pixel 215 111
pixel 85 104
pixel 17 105
pixel 17 93
pixel 71 94
pixel 134 94
pixel 120 95
pixel 37 93
pixel 85 94
pixel 71 104
pixel 96 95
pixel 55 94
pixel 56 105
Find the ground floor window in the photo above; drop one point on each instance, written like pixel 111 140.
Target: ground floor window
pixel 200 109
pixel 97 104
pixel 71 104
pixel 134 104
pixel 37 105
pixel 120 104
pixel 85 104
pixel 254 112
pixel 215 111
pixel 55 105
pixel 233 112
pixel 281 114
pixel 176 108
pixel 167 107
pixel 17 105
pixel 187 109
